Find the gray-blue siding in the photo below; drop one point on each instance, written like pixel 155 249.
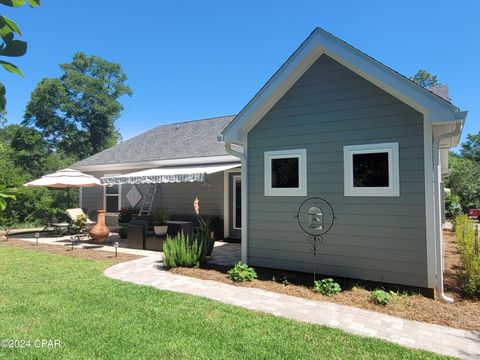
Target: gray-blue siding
pixel 374 238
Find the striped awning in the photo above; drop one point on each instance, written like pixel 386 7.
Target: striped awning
pixel 167 175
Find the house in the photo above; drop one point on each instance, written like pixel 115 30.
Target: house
pixel 331 122
pixel 196 163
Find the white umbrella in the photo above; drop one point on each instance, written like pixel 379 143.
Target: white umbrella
pixel 65 178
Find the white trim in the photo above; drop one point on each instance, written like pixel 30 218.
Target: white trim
pixel 156 163
pixel 301 155
pixel 393 170
pixel 244 236
pixel 226 201
pixel 429 203
pixel 321 42
pixel 105 196
pixel 235 178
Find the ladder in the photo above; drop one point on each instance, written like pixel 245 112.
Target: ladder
pixel 148 199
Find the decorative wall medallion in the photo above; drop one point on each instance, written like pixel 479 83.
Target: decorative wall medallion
pixel 134 196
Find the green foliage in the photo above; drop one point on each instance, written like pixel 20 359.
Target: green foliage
pixel 326 287
pixel 471 148
pixel 76 113
pixel 242 272
pixel 425 79
pixel 381 297
pixel 463 181
pixel 80 221
pixel 469 248
pixel 453 206
pixel 10 46
pixel 6 194
pixel 161 216
pixel 180 251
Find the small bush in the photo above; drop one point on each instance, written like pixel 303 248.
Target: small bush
pixel 468 246
pixel 381 297
pixel 326 287
pixel 179 251
pixel 242 272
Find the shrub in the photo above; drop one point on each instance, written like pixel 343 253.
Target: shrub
pixel 180 251
pixel 452 205
pixel 468 247
pixel 125 215
pixel 326 287
pixel 381 297
pixel 242 272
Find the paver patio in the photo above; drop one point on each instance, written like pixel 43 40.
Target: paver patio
pixel 440 339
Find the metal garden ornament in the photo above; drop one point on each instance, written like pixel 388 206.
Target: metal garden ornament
pixel 315 217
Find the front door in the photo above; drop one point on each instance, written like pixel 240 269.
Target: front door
pixel 235 201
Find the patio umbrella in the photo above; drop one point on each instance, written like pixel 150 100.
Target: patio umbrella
pixel 65 178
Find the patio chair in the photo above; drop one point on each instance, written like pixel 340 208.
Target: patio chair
pixel 72 215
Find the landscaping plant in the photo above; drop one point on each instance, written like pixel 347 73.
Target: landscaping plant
pixel 202 231
pixel 180 251
pixel 242 272
pixel 327 287
pixel 381 297
pixel 468 245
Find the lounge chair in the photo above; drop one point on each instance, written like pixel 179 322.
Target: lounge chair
pixel 73 214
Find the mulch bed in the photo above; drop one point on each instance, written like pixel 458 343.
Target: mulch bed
pixel 463 313
pixel 89 254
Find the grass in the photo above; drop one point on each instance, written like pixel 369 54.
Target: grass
pixel 44 296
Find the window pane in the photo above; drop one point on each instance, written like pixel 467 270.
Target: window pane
pixel 112 203
pixel 113 189
pixel 285 173
pixel 370 170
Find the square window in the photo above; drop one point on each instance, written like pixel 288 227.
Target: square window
pixel 371 170
pixel 286 173
pixel 111 204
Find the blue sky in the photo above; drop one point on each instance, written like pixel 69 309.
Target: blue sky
pixel 189 60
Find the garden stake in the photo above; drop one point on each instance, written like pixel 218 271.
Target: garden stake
pixel 37 235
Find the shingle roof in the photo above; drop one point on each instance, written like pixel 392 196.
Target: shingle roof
pixel 190 139
pixel 441 91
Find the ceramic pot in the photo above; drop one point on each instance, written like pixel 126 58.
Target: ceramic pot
pixel 160 230
pixel 100 231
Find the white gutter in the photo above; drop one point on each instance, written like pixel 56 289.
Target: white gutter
pixel 244 178
pixel 438 216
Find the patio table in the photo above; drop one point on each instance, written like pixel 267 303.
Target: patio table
pixel 175 227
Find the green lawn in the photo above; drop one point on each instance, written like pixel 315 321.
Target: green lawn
pixel 44 296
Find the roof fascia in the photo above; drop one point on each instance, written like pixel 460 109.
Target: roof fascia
pixel 157 163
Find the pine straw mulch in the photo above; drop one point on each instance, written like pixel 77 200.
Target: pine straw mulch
pixel 77 252
pixel 464 313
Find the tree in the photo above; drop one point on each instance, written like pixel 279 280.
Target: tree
pixel 425 79
pixel 471 148
pixel 76 113
pixel 10 46
pixel 464 181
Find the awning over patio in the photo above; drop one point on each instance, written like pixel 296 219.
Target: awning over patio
pixel 167 175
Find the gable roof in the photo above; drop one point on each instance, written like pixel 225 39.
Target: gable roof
pixel 435 108
pixel 182 140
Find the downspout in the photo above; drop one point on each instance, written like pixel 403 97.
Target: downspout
pixel 243 157
pixel 438 216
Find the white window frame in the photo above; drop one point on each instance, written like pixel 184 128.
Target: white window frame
pixel 301 155
pixel 105 196
pixel 393 169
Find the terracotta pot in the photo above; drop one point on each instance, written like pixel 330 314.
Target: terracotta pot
pixel 100 231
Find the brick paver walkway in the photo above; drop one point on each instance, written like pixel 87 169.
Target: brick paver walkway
pixel 436 338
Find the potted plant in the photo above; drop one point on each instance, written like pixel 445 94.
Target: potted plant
pixel 124 217
pixel 159 219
